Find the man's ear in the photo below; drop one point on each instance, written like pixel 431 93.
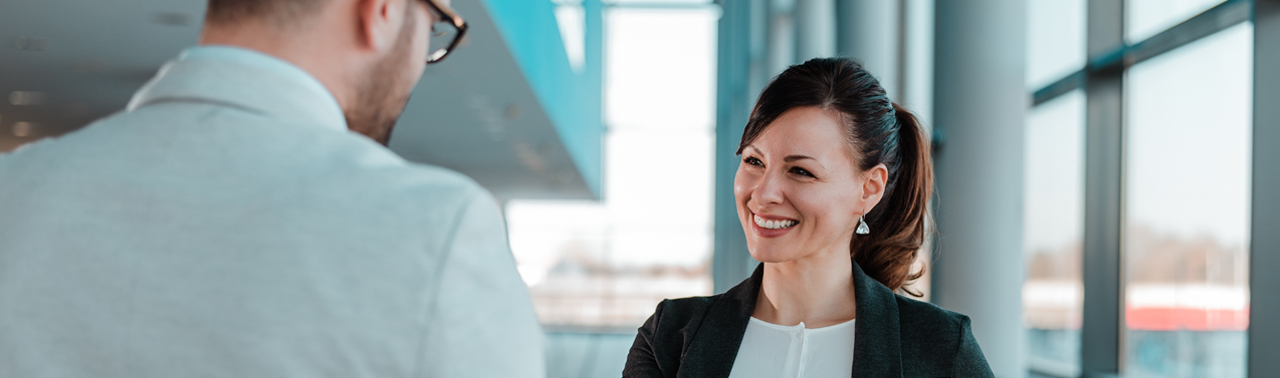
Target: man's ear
pixel 873 188
pixel 379 22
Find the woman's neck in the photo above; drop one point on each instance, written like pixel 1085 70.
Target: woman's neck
pixel 816 290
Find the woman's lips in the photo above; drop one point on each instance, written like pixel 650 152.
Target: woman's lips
pixel 772 226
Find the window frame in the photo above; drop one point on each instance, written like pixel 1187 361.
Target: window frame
pixel 1102 78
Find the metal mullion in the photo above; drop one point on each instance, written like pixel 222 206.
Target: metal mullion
pixel 1264 246
pixel 1225 15
pixel 1101 270
pixel 1119 55
pixel 1062 86
pixel 731 262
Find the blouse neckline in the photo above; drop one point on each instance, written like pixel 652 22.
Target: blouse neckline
pixel 801 327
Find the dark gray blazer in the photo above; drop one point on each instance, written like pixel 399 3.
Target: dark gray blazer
pixel 895 336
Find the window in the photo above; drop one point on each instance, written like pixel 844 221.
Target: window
pixel 1053 210
pixel 606 265
pixel 1186 227
pixel 1146 18
pixel 571 19
pixel 1055 40
pixel 1054 233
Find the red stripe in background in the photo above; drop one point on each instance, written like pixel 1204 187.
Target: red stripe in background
pixel 1191 319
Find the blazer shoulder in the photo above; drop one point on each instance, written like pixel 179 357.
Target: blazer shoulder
pixel 914 314
pixel 686 310
pixel 929 331
pixel 675 321
pixel 663 339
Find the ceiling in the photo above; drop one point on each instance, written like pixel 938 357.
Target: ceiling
pixel 64 63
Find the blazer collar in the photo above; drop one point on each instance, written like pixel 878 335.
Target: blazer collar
pixel 877 345
pixel 243 79
pixel 716 342
pixel 876 349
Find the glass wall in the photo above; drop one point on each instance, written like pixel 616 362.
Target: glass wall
pixel 603 266
pixel 1053 209
pixel 1186 233
pixel 1055 40
pixel 1174 117
pixel 1054 233
pixel 1146 18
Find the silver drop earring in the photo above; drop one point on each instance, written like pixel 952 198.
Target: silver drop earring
pixel 862 227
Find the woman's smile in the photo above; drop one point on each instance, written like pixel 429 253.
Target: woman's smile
pixel 772 226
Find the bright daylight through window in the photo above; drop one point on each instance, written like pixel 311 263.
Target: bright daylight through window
pixel 605 265
pixel 1186 235
pixel 1053 210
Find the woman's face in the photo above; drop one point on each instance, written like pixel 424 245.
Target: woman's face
pixel 798 190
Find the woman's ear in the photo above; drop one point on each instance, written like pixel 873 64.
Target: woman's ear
pixel 873 186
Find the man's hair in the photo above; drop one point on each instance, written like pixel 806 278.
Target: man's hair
pixel 281 12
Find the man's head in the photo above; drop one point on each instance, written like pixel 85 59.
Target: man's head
pixel 278 11
pixel 368 53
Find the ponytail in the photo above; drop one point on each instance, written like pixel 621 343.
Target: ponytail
pixel 899 221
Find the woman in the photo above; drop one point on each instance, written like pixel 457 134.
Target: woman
pixel 831 191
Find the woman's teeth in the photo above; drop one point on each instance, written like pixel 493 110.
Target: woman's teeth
pixel 772 224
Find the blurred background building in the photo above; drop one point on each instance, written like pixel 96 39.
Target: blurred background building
pixel 1106 168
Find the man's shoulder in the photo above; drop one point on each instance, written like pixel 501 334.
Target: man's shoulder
pixel 36 159
pixel 217 147
pixel 428 183
pixel 422 176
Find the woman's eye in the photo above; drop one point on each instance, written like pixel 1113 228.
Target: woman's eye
pixel 753 161
pixel 801 171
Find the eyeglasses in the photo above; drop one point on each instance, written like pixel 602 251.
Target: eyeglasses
pixel 447 30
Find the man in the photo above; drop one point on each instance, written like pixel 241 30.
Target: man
pixel 242 218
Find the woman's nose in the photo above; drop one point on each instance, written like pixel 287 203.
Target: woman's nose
pixel 769 189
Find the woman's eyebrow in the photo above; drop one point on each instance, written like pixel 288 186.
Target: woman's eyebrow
pixel 791 158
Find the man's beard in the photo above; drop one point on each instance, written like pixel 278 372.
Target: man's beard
pixel 385 91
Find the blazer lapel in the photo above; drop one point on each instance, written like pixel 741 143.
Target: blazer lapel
pixel 876 349
pixel 715 344
pixel 877 344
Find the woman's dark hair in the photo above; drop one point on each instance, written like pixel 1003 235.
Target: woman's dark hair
pixel 879 131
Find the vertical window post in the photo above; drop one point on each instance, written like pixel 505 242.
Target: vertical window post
pixel 1264 317
pixel 1104 119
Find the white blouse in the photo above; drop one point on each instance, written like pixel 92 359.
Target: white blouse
pixel 775 351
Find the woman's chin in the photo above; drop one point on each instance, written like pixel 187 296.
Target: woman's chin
pixel 772 255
